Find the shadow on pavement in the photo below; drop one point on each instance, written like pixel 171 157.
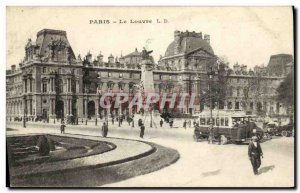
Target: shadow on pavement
pixel 266 169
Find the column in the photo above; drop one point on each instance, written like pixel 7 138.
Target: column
pixel 68 85
pixel 24 85
pixel 77 86
pixel 30 105
pixel 70 106
pixel 52 85
pixel 24 106
pixel 65 107
pixel 53 106
pixel 97 107
pixel 30 84
pixel 50 107
pixel 85 108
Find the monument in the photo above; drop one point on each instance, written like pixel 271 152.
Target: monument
pixel 147 82
pixel 147 66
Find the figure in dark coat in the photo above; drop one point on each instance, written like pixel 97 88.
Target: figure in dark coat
pixel 104 129
pixel 140 121
pixel 161 123
pixel 142 130
pixel 254 153
pixel 62 127
pixel 184 124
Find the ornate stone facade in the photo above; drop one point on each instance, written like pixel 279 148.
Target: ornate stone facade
pixel 52 83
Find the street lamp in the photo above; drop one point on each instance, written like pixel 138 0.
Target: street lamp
pixel 210 74
pixel 25 111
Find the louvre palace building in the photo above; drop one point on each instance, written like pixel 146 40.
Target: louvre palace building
pixel 52 82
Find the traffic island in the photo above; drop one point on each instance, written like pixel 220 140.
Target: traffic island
pixel 116 160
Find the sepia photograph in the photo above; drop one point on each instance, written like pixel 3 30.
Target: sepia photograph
pixel 150 97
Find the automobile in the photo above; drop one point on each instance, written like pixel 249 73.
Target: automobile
pixel 285 130
pixel 270 129
pixel 227 126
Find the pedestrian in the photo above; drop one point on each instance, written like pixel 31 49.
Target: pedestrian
pixel 140 121
pixel 62 127
pixel 171 123
pixel 190 123
pixel 184 124
pixel 142 130
pixel 112 120
pixel 161 122
pixel 254 153
pixel 104 129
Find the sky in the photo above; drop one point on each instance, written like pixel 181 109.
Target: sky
pixel 247 35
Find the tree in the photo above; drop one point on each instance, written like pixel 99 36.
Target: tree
pixel 286 91
pixel 252 90
pixel 218 86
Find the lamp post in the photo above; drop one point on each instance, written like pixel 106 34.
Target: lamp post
pixel 25 111
pixel 210 74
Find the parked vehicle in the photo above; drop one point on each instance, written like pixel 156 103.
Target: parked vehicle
pixel 236 127
pixel 285 130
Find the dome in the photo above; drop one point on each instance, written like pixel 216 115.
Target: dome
pixel 188 44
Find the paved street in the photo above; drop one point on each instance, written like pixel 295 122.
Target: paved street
pixel 200 164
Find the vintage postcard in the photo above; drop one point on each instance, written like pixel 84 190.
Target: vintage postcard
pixel 150 97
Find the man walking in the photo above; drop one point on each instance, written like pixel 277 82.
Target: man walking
pixel 142 130
pixel 62 127
pixel 104 129
pixel 184 124
pixel 161 123
pixel 254 153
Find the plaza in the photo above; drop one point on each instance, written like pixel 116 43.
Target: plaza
pixel 199 164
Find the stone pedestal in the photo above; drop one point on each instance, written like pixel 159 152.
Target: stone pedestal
pixel 147 76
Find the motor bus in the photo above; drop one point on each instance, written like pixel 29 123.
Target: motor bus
pixel 227 126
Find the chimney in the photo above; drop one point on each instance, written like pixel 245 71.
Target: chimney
pixel 177 42
pixel 111 59
pixel 89 57
pixel 100 58
pixel 207 38
pixel 13 68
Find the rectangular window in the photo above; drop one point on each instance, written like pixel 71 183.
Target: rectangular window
pixel 109 74
pixel 160 77
pixel 213 121
pixel 120 75
pixel 45 86
pixel 226 121
pixel 222 121
pixel 217 121
pixel 44 69
pixel 130 75
pixel 208 121
pixel 202 121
